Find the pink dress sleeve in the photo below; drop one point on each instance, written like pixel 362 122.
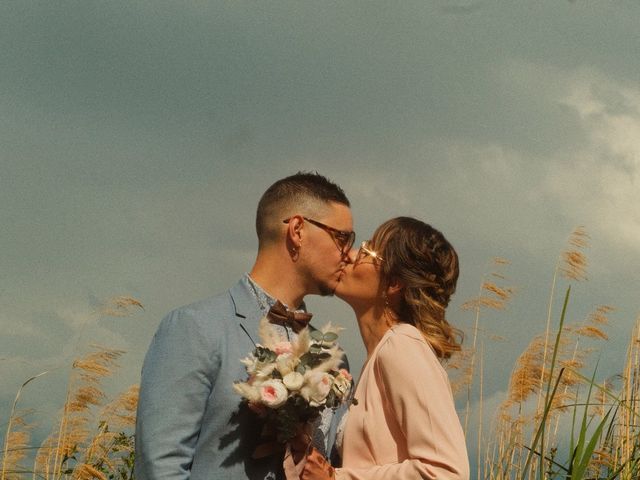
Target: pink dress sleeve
pixel 418 398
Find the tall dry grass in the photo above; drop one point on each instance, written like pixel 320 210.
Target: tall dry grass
pixel 92 437
pixel 494 296
pixel 556 421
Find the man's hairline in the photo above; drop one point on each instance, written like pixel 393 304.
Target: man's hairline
pixel 323 209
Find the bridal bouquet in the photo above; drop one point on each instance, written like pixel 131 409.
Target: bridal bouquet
pixel 291 382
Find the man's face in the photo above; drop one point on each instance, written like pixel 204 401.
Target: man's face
pixel 324 257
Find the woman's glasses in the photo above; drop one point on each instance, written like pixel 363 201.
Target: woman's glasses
pixel 365 251
pixel 343 239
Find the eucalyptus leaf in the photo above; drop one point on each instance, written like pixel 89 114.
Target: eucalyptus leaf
pixel 330 337
pixel 306 359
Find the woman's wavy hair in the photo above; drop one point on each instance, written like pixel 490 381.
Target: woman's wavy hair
pixel 421 259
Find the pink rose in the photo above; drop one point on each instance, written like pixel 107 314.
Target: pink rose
pixel 345 373
pixel 273 393
pixel 282 347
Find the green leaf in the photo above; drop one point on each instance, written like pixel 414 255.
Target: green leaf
pixel 549 394
pixel 330 337
pixel 577 473
pixel 582 454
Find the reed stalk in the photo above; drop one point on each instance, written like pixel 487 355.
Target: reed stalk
pixel 7 460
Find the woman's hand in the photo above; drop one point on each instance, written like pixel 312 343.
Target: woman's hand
pixel 300 446
pixel 317 467
pixel 306 462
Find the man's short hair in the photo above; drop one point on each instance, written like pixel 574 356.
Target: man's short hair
pixel 296 193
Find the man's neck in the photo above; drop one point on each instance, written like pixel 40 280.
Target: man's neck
pixel 279 282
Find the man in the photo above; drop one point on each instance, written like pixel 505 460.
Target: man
pixel 191 424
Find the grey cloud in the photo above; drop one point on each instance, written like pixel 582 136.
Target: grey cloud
pixel 138 137
pixel 465 8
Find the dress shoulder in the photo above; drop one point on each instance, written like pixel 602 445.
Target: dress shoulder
pixel 403 351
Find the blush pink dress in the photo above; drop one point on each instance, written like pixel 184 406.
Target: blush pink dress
pixel 405 425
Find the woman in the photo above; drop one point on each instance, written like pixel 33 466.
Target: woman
pixel 404 424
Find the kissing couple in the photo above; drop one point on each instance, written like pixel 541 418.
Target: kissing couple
pixel 191 424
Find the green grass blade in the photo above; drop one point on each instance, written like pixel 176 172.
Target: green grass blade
pixel 540 431
pixel 539 437
pixel 578 452
pixel 583 463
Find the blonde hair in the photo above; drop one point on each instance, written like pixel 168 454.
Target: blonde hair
pixel 424 263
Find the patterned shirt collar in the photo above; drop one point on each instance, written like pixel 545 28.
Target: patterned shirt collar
pixel 262 298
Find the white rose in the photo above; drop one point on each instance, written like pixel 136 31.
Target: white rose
pixel 318 386
pixel 273 393
pixel 293 380
pixel 286 363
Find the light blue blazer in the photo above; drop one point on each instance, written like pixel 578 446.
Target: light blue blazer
pixel 190 422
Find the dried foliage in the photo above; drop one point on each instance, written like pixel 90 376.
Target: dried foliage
pixel 119 306
pixel 76 449
pixel 547 386
pixel 73 430
pixel 493 297
pixel 574 261
pixel 460 373
pixel 15 450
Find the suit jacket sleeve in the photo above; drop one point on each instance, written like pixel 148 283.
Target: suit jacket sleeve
pixel 418 398
pixel 178 373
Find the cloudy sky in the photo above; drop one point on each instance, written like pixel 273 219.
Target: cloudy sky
pixel 137 137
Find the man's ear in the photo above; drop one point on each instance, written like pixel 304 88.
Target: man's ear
pixel 295 229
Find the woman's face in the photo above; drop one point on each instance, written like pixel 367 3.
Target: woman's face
pixel 360 282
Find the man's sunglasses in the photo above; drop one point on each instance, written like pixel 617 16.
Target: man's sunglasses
pixel 343 240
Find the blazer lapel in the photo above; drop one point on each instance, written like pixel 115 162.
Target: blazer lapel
pixel 246 308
